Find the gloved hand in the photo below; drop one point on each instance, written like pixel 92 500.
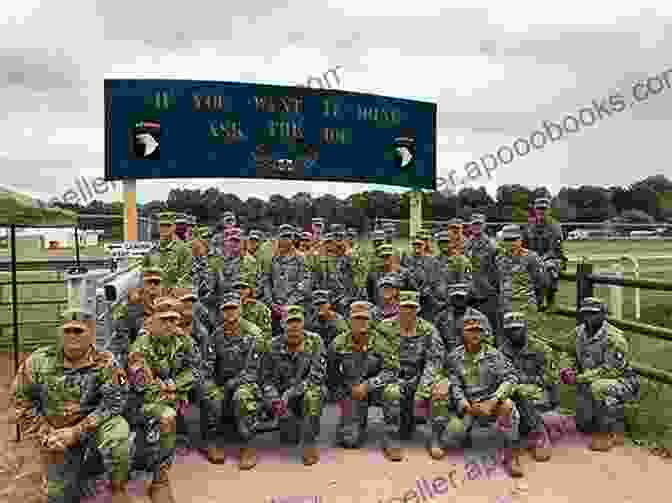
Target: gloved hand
pixel 568 376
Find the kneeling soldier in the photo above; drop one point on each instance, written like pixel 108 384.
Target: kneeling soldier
pixel 369 366
pixel 69 398
pixel 537 391
pixel 294 374
pixel 481 383
pixel 232 360
pixel 162 368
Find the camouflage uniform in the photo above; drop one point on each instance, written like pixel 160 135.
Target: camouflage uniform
pixel 421 358
pixel 605 380
pixel 390 311
pixel 229 388
pixel 162 369
pixel 375 364
pixel 333 273
pixel 294 384
pixel 538 377
pixel 175 258
pixel 47 396
pixel 545 238
pixel 450 320
pixel 484 376
pixel 453 266
pixel 286 280
pixel 420 269
pixel 374 292
pixel 482 251
pixel 519 281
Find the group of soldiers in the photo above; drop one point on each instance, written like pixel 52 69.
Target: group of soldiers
pixel 228 331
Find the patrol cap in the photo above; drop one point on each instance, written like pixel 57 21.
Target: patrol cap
pixel 256 235
pixel 163 304
pixel 386 250
pixel 390 280
pixel 455 222
pixel 477 218
pixel 472 322
pixel 286 231
pixel 592 304
pixel 511 232
pixel 378 235
pixel 294 312
pixel 443 236
pixel 151 272
pixel 317 220
pixel 170 314
pixel 542 203
pixel 228 217
pixel 230 299
pixel 167 218
pixel 321 297
pixel 181 218
pixel 514 320
pixel 425 235
pixel 408 298
pixel 76 316
pixel 360 309
pixel 458 289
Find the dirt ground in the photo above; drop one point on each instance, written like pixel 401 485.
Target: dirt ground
pixel 574 474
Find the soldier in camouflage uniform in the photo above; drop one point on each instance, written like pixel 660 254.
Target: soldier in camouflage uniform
pixel 217 274
pixel 181 225
pixel 69 398
pixel 175 258
pixel 481 382
pixel 128 318
pixel 390 286
pixel 420 266
pixel 285 279
pixel 368 364
pixel 604 378
pixel 421 356
pixel 482 250
pixel 254 311
pixel 162 369
pixel 229 390
pixel 294 374
pixel 545 238
pixel 324 320
pixel 254 238
pixel 387 253
pixel 537 392
pixel 450 320
pixel 187 312
pixel 520 274
pixel 333 271
pixel 453 266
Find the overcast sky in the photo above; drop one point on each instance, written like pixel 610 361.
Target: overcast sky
pixel 497 70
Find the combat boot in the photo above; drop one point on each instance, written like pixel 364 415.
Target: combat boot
pixel 391 447
pixel 248 458
pixel 311 430
pixel 160 490
pixel 515 466
pixel 601 442
pixel 120 492
pixel 311 455
pixel 436 451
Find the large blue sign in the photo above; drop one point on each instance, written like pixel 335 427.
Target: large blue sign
pixel 200 129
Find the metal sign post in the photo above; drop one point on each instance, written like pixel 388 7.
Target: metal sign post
pixel 415 223
pixel 130 211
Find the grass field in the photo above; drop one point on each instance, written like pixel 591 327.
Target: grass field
pixel 648 423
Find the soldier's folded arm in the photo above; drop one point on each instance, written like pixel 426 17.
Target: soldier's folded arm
pixel 32 422
pixel 389 374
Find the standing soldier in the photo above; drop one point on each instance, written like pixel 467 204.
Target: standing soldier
pixel 254 239
pixel 68 398
pixel 387 253
pixel 390 286
pixel 324 319
pixel 368 364
pixel 294 376
pixel 420 266
pixel 481 382
pixel 454 265
pixel 482 250
pixel 604 378
pixel 254 311
pixel 187 312
pixel 421 356
pixel 230 387
pixel 545 238
pixel 537 392
pixel 285 280
pixel 519 273
pixel 333 271
pixel 450 320
pixel 175 258
pixel 162 368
